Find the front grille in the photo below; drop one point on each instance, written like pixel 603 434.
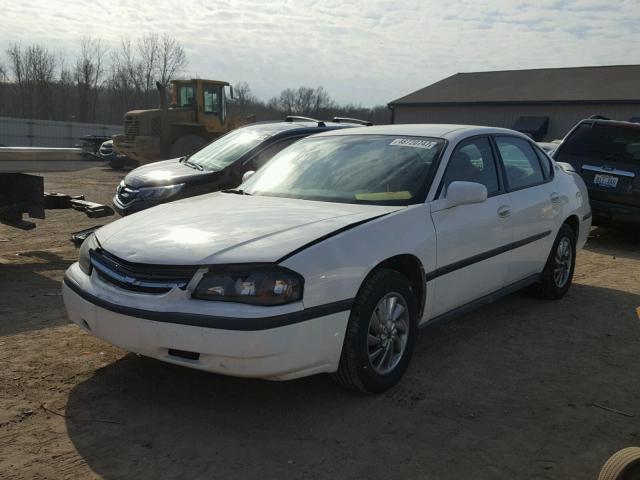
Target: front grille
pixel 140 277
pixel 131 129
pixel 126 194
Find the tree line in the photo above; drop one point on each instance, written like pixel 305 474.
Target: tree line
pixel 99 85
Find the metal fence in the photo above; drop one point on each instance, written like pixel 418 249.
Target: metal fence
pixel 23 132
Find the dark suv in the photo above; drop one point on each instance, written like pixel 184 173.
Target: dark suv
pixel 607 155
pixel 219 165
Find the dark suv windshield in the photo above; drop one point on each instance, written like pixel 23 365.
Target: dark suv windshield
pixel 377 169
pixel 229 148
pixel 604 141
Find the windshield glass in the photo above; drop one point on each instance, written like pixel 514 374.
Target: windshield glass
pixel 227 149
pixel 376 169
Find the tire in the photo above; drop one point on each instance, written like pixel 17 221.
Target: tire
pixel 552 285
pixel 186 145
pixel 622 465
pixel 360 368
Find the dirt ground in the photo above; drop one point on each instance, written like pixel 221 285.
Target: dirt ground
pixel 513 390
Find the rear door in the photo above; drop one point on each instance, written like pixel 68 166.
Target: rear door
pixel 607 155
pixel 533 206
pixel 472 255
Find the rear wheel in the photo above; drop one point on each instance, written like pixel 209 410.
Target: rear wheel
pixel 381 334
pixel 186 145
pixel 558 271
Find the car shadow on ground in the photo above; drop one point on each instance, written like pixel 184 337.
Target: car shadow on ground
pixel 31 293
pixel 505 392
pixel 621 241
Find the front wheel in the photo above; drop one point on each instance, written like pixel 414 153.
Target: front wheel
pixel 558 271
pixel 381 334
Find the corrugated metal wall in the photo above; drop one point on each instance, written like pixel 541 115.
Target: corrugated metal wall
pixel 561 117
pixel 22 132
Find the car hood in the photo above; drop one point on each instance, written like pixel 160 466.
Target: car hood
pixel 166 172
pixel 228 228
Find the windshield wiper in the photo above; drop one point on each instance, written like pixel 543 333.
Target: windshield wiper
pixel 186 161
pixel 237 191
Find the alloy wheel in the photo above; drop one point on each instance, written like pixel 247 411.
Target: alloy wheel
pixel 562 262
pixel 388 332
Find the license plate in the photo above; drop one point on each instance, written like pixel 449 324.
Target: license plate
pixel 607 181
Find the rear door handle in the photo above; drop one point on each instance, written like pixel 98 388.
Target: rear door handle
pixel 555 198
pixel 504 211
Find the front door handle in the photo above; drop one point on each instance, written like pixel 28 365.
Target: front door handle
pixel 504 211
pixel 555 198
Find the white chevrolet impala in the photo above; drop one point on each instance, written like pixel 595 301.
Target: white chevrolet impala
pixel 334 254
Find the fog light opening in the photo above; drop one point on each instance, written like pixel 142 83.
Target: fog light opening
pixel 85 324
pixel 184 354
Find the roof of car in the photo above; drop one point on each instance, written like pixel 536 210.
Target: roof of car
pixel 275 127
pixel 606 121
pixel 436 130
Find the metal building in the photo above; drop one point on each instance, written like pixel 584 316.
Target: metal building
pixel 544 103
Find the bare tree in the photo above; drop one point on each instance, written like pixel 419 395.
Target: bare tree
pixel 87 74
pixel 148 49
pixel 33 70
pixel 3 85
pixel 171 60
pixel 303 101
pixel 243 97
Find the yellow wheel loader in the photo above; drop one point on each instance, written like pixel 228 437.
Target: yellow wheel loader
pixel 197 114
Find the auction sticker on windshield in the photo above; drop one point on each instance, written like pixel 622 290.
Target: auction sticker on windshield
pixel 412 142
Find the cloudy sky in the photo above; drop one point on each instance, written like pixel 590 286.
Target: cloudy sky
pixel 362 51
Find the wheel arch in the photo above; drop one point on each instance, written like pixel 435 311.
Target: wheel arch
pixel 574 222
pixel 411 267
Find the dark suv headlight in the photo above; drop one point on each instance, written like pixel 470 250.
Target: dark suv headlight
pixel 255 285
pixel 158 193
pixel 90 243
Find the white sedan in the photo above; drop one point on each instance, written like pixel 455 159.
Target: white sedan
pixel 334 254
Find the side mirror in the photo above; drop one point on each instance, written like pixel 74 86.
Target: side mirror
pixel 247 175
pixel 464 193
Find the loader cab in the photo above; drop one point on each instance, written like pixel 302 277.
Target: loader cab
pixel 206 97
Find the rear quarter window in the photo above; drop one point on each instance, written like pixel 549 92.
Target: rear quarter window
pixel 545 162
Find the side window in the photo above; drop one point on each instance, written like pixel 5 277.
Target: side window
pixel 212 99
pixel 187 96
pixel 544 162
pixel 266 154
pixel 520 162
pixel 473 161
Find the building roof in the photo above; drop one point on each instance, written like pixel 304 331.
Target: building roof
pixel 620 83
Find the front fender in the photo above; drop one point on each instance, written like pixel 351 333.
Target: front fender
pixel 335 268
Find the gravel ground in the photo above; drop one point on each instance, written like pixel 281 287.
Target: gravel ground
pixel 513 390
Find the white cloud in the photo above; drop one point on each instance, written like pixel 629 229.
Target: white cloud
pixel 364 52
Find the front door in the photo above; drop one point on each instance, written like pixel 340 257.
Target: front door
pixel 472 240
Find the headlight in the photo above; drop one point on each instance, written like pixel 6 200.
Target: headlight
pixel 254 285
pixel 157 193
pixel 90 243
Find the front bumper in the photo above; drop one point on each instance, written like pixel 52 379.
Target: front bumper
pixel 281 352
pixel 614 213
